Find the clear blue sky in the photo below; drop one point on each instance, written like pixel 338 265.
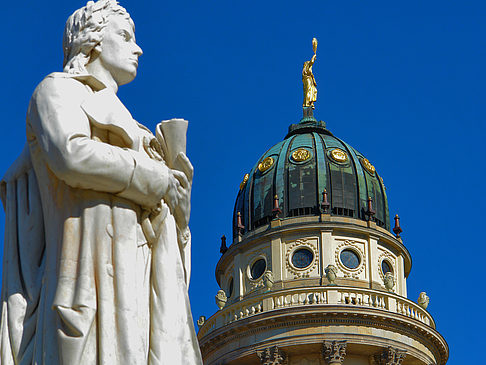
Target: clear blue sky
pixel 404 84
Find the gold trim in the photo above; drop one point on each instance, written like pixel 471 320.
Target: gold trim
pixel 367 165
pixel 301 155
pixel 245 179
pixel 339 155
pixel 266 164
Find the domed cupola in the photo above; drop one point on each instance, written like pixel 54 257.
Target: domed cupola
pixel 311 170
pixel 314 275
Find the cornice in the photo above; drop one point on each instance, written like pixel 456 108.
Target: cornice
pixel 341 315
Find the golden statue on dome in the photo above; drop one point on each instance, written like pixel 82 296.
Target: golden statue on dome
pixel 310 85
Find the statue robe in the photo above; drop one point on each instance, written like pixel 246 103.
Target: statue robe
pixel 80 283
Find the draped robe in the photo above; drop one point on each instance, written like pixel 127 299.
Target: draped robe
pixel 80 283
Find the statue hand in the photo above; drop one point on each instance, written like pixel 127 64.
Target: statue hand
pixel 183 164
pixel 178 197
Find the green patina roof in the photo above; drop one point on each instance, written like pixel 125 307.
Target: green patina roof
pixel 299 184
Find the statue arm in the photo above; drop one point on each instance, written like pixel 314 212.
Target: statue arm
pixel 63 133
pixel 313 59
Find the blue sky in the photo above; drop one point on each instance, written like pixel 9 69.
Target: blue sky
pixel 402 83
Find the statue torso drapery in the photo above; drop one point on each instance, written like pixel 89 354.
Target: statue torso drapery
pixel 310 85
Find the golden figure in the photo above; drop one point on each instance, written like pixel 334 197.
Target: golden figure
pixel 310 85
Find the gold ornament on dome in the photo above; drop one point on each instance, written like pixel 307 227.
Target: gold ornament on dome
pixel 266 164
pixel 245 179
pixel 308 79
pixel 339 155
pixel 301 155
pixel 368 166
pixel 382 183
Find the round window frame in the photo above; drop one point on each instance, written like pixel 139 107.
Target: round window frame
pixel 357 253
pixel 291 256
pixel 390 265
pixel 251 263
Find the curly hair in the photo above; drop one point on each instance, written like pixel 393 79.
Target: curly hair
pixel 84 31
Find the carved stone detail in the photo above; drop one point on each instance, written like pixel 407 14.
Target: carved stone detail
pixel 309 244
pixel 390 259
pixel 272 356
pixel 357 248
pixel 390 356
pixel 334 352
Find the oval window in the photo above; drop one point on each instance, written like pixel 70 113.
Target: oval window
pixel 302 258
pixel 386 267
pixel 258 268
pixel 349 258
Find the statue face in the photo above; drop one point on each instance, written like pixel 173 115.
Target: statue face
pixel 119 52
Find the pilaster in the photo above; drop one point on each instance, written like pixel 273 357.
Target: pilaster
pixel 277 261
pixel 402 280
pixel 372 263
pixel 327 251
pixel 237 278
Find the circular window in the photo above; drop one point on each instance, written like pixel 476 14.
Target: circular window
pixel 349 258
pixel 302 258
pixel 230 288
pixel 258 268
pixel 386 267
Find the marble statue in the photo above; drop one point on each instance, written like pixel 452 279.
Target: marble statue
pixel 423 300
pixel 221 299
pixel 97 244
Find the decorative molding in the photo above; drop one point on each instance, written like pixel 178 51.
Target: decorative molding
pixel 266 164
pixel 403 326
pixel 272 356
pixel 300 155
pixel 244 181
pixel 252 285
pixel 390 356
pixel 304 272
pixel 355 246
pixel 385 255
pixel 367 165
pixel 334 352
pixel 338 155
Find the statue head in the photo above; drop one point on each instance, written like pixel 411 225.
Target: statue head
pixel 101 30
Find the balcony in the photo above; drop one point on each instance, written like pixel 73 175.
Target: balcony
pixel 320 298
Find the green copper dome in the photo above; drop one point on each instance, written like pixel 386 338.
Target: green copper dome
pixel 309 161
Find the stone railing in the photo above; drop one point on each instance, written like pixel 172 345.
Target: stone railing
pixel 322 296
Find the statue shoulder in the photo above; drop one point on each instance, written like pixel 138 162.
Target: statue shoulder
pixel 60 85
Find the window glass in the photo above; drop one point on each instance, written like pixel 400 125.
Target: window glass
pixel 349 258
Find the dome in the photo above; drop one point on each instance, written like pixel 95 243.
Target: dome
pixel 310 166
